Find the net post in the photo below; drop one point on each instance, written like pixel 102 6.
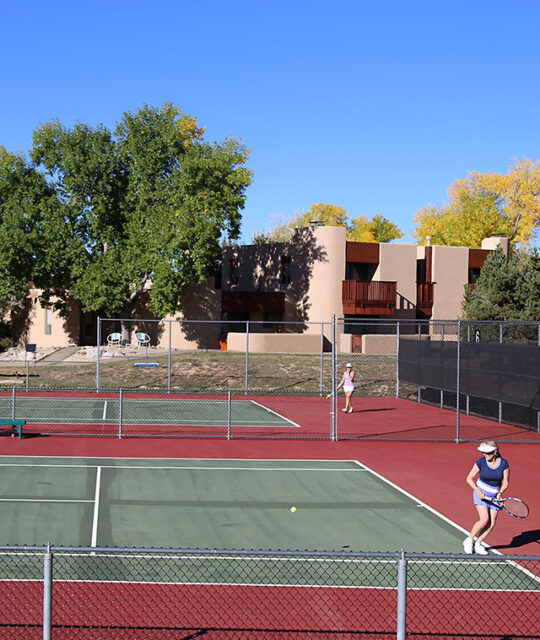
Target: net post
pixel 402 597
pixel 120 406
pixel 47 593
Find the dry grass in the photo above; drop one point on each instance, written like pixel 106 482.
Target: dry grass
pixel 209 370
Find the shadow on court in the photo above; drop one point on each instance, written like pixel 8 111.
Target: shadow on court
pixel 525 537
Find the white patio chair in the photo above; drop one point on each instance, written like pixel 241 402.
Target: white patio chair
pixel 114 339
pixel 143 339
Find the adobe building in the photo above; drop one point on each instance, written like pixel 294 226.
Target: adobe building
pixel 288 289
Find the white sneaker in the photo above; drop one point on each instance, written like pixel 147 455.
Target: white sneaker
pixel 344 410
pixel 350 410
pixel 468 545
pixel 480 549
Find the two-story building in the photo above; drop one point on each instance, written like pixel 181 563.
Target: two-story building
pixel 286 288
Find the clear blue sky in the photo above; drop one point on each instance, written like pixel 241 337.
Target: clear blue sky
pixel 373 106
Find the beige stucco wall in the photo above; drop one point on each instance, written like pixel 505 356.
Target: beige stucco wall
pixel 64 332
pixel 325 293
pixel 275 343
pixel 317 270
pixel 450 272
pixel 496 241
pixel 397 263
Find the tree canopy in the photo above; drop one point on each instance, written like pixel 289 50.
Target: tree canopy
pixel 110 214
pixel 486 204
pixel 507 289
pixel 360 229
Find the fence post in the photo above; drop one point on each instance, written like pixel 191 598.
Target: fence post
pixel 246 382
pixel 229 413
pixel 501 340
pixel 397 360
pixel 169 363
pixel 333 405
pixel 47 593
pixel 402 598
pixel 321 383
pixel 458 381
pixel 13 403
pixel 121 402
pixel 98 345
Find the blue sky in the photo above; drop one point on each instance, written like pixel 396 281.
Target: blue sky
pixel 375 107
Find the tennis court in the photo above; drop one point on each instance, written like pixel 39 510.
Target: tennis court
pixel 213 504
pixel 341 506
pixel 107 413
pixel 142 413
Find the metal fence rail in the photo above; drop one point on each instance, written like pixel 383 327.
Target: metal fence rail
pixel 73 592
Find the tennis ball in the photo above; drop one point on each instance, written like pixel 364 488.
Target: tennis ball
pixel 293 509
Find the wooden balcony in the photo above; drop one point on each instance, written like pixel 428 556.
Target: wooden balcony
pixel 424 299
pixel 369 298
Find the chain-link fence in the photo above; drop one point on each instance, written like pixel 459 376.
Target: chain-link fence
pixel 72 592
pixel 415 380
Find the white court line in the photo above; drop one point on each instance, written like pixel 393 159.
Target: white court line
pixel 105 410
pixel 275 413
pixel 93 542
pixel 41 500
pixel 182 468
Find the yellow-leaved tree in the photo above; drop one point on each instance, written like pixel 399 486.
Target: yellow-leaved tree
pixel 485 204
pixel 360 229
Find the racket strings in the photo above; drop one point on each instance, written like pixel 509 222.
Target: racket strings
pixel 515 507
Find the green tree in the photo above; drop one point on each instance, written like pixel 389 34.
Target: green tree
pixel 140 208
pixel 507 289
pixel 26 200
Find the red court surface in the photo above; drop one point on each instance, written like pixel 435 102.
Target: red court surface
pixel 217 612
pixel 433 472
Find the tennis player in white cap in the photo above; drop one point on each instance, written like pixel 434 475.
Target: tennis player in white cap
pixel 347 382
pixel 493 476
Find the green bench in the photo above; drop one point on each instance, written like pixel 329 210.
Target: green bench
pixel 16 426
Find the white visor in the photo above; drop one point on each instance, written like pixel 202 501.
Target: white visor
pixel 487 448
pixel 348 365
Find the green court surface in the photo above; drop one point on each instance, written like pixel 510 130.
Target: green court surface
pixel 223 504
pixel 183 411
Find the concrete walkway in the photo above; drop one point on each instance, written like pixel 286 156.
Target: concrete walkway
pixel 58 356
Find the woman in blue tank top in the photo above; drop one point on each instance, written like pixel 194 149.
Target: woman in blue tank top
pixel 488 479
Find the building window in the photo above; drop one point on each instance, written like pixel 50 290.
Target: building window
pixel 48 321
pixel 234 270
pixel 285 269
pixel 474 274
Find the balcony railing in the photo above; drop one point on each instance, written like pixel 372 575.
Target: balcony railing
pixel 424 299
pixel 369 298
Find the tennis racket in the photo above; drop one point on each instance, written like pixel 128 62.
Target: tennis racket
pixel 514 506
pixel 328 395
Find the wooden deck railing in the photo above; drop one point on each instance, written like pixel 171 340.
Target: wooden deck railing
pixel 368 298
